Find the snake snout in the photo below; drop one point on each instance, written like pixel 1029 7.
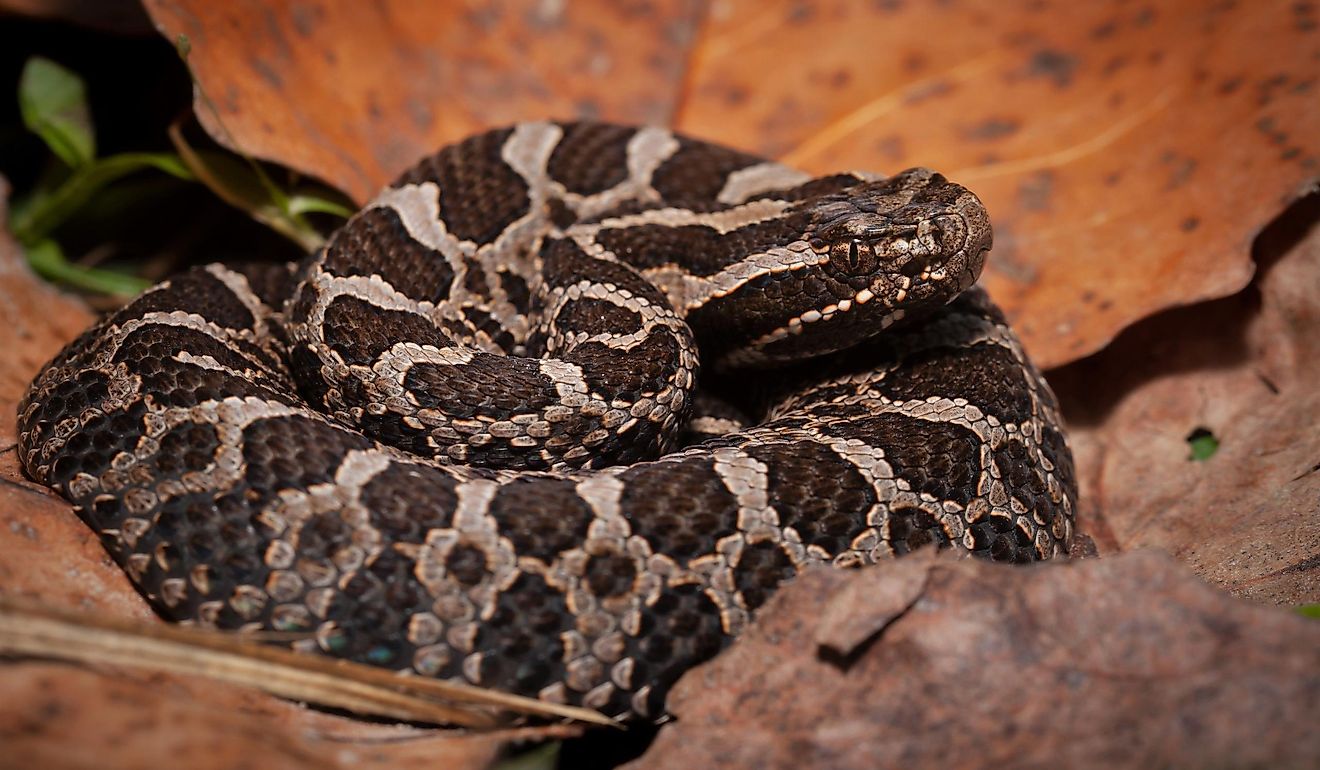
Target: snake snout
pixel 948 234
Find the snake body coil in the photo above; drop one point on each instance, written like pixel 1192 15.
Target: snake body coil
pixel 457 440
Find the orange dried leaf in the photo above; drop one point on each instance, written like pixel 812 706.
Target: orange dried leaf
pixel 1128 153
pixel 1242 369
pixel 356 92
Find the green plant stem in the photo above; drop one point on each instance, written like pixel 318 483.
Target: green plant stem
pixel 48 260
pixel 33 221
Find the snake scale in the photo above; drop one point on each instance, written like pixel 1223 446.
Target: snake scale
pixel 461 440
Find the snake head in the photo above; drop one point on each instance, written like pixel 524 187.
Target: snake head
pixel 915 234
pixel 884 250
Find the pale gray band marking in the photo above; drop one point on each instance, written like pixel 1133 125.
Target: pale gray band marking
pixel 647 150
pixel 761 178
pixel 722 222
pixel 418 208
pixel 528 149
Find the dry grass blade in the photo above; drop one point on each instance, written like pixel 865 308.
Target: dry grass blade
pixel 42 631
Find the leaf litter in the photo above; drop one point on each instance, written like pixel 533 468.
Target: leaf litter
pixel 1097 183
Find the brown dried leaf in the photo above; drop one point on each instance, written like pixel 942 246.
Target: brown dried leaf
pixel 56 716
pixel 355 92
pixel 1245 368
pixel 36 320
pixel 1121 662
pixel 1128 153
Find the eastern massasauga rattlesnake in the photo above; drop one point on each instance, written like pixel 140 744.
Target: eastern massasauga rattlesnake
pixel 453 441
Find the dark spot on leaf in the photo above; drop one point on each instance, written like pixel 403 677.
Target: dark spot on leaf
pixel 992 128
pixel 1055 65
pixel 1034 191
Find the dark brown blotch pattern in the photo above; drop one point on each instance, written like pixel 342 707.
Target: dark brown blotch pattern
pixel 541 516
pixel 359 331
pixel 377 243
pixel 521 642
pixel 938 458
pixel 815 491
pixel 681 508
pixel 196 291
pixel 407 500
pixel 480 195
pixel 698 249
pixel 491 386
pixel 293 453
pixel 591 157
pixel 760 569
pixel 698 170
pixel 987 375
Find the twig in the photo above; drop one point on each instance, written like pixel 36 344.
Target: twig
pixel 28 629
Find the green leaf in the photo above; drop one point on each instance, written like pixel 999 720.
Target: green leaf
pixel 53 101
pixel 48 260
pixel 246 185
pixel 318 203
pixel 1309 611
pixel 241 182
pixel 34 219
pixel 1203 444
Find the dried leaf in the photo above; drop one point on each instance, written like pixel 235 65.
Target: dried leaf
pixel 120 16
pixel 1127 153
pixel 57 716
pixel 74 570
pixel 355 92
pixel 29 628
pixel 1243 369
pixel 1099 663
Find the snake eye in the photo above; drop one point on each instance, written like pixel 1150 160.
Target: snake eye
pixel 853 258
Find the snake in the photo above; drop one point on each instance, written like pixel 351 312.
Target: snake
pixel 558 411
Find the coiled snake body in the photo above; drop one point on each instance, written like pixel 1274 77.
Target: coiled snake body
pixel 453 441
